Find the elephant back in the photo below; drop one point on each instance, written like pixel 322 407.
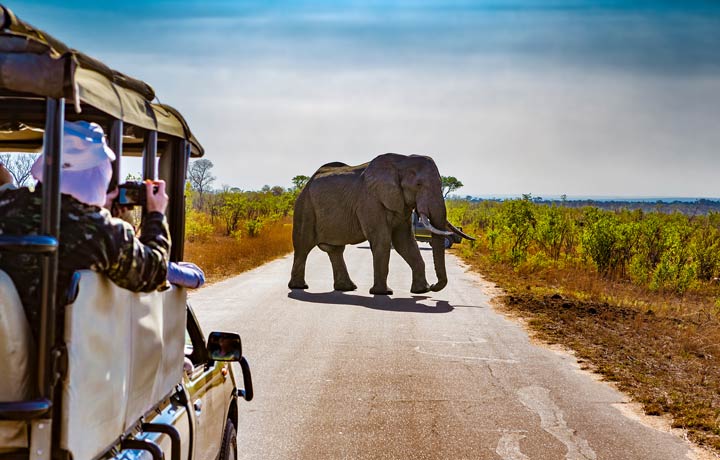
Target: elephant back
pixel 337 167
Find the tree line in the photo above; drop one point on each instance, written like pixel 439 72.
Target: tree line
pixel 232 211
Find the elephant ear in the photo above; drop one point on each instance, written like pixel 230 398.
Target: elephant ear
pixel 383 181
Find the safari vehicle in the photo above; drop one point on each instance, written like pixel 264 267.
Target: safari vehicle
pixel 423 233
pixel 108 376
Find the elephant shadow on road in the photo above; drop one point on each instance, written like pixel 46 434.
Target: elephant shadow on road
pixel 377 302
pixel 422 248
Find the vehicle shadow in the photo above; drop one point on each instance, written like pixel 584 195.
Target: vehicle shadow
pixel 376 302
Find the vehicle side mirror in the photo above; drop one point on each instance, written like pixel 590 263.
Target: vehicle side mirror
pixel 224 346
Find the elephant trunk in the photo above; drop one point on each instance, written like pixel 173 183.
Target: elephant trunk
pixel 434 214
pixel 438 249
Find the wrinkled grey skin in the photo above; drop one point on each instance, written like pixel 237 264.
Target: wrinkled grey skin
pixel 344 204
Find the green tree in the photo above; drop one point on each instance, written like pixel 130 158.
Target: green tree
pixel 449 185
pixel 234 206
pixel 299 181
pixel 553 230
pixel 520 221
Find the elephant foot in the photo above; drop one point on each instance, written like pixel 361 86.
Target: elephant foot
pixel 297 285
pixel 381 290
pixel 345 286
pixel 420 288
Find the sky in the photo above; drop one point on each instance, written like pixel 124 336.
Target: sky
pixel 582 98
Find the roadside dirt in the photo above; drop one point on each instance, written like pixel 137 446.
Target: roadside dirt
pixel 667 364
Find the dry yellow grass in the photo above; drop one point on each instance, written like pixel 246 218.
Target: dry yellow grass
pixel 224 256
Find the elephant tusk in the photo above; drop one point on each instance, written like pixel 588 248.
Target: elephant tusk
pixel 426 222
pixel 459 232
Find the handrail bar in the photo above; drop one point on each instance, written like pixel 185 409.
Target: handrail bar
pixel 32 244
pixel 24 410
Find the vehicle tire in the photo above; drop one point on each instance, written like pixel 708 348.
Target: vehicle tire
pixel 448 242
pixel 228 450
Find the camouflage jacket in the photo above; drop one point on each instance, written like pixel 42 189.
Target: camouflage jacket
pixel 89 238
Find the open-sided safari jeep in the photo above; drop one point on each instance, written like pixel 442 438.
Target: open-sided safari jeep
pixel 106 378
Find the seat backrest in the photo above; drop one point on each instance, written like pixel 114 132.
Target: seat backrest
pixel 125 353
pixel 17 361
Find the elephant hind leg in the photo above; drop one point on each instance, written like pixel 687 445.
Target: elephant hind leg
pixel 304 240
pixel 341 277
pixel 297 276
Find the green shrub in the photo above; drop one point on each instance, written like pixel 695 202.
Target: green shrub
pixel 197 226
pixel 253 227
pixel 667 252
pixel 519 220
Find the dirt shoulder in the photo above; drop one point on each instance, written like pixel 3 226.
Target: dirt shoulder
pixel 667 361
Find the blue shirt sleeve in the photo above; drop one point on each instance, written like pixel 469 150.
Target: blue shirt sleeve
pixel 185 274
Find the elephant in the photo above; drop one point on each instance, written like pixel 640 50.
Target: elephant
pixel 343 204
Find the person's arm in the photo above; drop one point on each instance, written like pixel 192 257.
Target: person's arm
pixel 140 264
pixel 185 274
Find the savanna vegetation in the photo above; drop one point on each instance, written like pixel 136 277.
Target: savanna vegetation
pixel 635 294
pixel 230 230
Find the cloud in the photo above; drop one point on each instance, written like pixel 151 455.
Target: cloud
pixel 582 98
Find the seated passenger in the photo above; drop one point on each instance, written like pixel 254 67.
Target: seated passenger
pixel 89 237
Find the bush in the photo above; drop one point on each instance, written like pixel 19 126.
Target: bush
pixel 665 252
pixel 519 220
pixel 253 227
pixel 197 226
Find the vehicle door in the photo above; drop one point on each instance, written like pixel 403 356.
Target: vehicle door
pixel 174 414
pixel 209 393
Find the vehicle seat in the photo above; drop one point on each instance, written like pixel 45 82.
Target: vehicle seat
pixel 16 362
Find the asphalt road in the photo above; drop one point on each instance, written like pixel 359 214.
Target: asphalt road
pixel 440 376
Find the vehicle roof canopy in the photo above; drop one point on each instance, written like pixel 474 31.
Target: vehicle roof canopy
pixel 34 66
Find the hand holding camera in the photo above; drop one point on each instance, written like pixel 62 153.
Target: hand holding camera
pixel 157 199
pixel 149 194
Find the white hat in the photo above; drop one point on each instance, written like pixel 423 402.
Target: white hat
pixel 85 163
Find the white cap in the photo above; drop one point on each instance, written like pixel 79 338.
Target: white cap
pixel 85 163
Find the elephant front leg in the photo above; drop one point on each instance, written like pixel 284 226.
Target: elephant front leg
pixel 341 277
pixel 405 244
pixel 381 260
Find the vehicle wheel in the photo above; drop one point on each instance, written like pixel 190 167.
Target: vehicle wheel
pixel 448 243
pixel 228 450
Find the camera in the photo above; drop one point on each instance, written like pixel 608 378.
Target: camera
pixel 132 193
